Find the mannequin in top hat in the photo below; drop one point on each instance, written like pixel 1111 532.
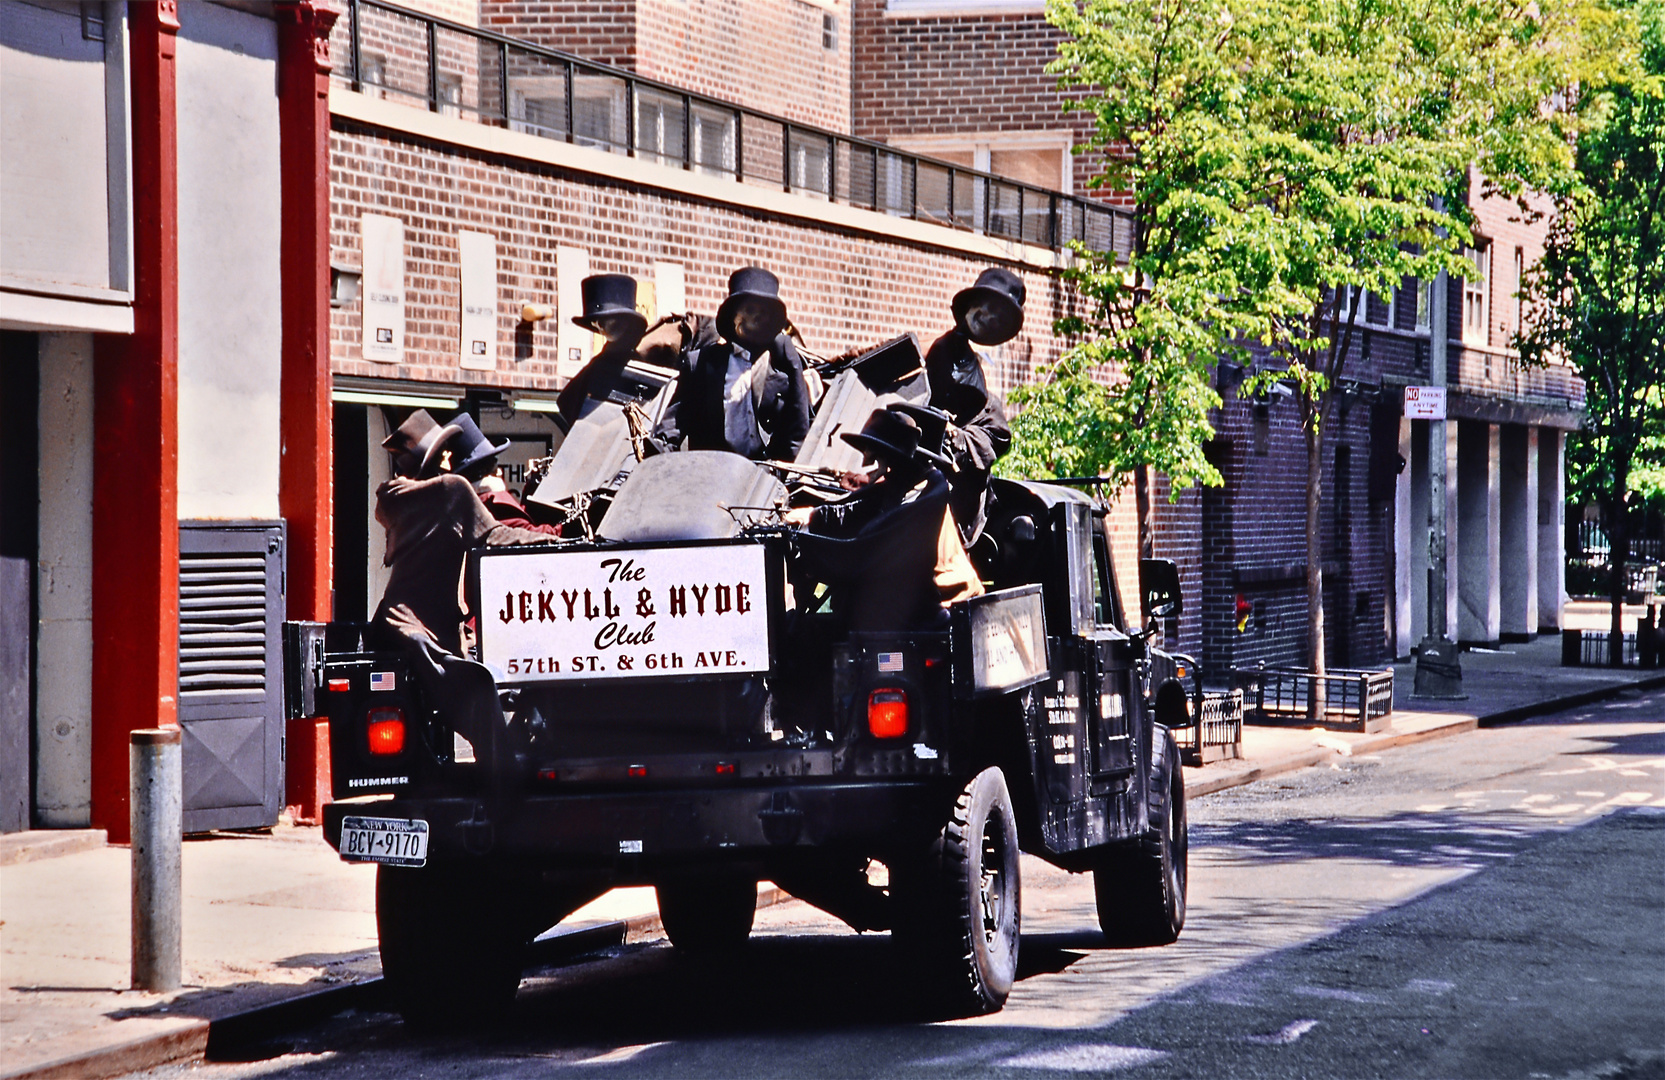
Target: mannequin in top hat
pixel 609 310
pixel 877 548
pixel 746 393
pixel 988 313
pixel 474 457
pixel 432 519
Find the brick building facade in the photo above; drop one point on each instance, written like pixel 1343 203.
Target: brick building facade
pixel 788 58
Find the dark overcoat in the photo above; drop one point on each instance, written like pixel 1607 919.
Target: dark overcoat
pixel 979 437
pixel 780 400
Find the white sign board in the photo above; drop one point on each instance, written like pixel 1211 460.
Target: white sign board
pixel 557 616
pixel 572 343
pixel 671 289
pixel 1425 402
pixel 383 239
pixel 477 254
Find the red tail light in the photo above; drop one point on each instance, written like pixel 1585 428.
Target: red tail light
pixel 386 731
pixel 887 713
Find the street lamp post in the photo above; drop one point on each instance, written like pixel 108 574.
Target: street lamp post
pixel 1439 672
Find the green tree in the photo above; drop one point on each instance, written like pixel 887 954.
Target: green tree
pixel 1598 295
pixel 1285 157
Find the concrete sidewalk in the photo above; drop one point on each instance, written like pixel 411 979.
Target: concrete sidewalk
pixel 278 918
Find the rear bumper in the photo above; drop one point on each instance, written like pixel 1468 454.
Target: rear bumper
pixel 599 828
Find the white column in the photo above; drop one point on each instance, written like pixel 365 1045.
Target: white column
pixel 1407 617
pixel 1552 504
pixel 1478 513
pixel 63 584
pixel 1518 532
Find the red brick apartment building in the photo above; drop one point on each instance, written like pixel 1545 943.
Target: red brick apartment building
pixel 460 159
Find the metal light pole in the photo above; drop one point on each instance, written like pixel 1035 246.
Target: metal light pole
pixel 1439 672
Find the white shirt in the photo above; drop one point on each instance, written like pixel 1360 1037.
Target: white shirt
pixel 740 428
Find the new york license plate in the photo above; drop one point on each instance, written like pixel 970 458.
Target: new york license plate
pixel 395 841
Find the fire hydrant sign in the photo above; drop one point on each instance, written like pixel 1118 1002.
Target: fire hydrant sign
pixel 560 616
pixel 1425 403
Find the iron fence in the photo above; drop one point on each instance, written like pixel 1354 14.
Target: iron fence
pixel 1285 693
pixel 1594 648
pixel 1218 732
pixel 395 53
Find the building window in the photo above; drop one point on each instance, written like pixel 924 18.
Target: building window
pixel 1477 297
pixel 1424 303
pixel 1520 288
pixel 450 95
pixel 372 75
pixel 829 30
pixel 1040 158
pixel 960 8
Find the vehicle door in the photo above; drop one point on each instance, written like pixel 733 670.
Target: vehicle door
pixel 1112 690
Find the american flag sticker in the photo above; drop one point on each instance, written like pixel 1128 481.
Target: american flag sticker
pixel 890 661
pixel 381 680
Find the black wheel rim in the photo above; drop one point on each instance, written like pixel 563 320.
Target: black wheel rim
pixel 991 886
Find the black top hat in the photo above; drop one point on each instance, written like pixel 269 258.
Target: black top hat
pixel 470 448
pixel 998 294
pixel 889 436
pixel 753 287
pixel 415 446
pixel 609 294
pixel 933 426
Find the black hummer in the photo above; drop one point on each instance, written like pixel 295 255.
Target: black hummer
pixel 657 705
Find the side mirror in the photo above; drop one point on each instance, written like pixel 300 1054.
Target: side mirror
pixel 1159 579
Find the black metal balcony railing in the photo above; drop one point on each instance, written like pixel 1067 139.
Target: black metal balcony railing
pixel 450 68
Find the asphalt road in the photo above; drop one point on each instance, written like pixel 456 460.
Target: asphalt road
pixel 1490 905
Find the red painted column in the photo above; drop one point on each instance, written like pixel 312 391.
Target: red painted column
pixel 304 486
pixel 135 578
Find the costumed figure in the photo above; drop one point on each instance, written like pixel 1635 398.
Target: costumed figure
pixel 988 313
pixel 746 393
pixel 432 520
pixel 609 310
pixel 876 549
pixel 474 457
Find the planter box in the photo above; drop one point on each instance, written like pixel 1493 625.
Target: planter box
pixel 1218 733
pixel 1353 700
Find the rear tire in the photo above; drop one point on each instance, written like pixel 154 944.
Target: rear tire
pixel 452 943
pixel 959 907
pixel 1140 887
pixel 708 913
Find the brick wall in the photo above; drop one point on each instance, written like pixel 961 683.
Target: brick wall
pixel 959 75
pixel 767 55
pixel 843 290
pixel 599 30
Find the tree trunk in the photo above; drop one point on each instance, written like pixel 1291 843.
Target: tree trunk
pixel 1145 500
pixel 1315 570
pixel 1618 547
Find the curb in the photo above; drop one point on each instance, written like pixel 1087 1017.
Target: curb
pixel 1388 740
pixel 1569 701
pixel 204 1038
pixel 34 844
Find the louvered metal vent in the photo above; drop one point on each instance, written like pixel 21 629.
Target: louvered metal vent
pixel 222 625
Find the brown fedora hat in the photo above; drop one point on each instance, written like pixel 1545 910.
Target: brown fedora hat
pixel 887 435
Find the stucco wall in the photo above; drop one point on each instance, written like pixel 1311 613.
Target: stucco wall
pixel 230 328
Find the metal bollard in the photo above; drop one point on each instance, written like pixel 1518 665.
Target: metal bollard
pixel 155 791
